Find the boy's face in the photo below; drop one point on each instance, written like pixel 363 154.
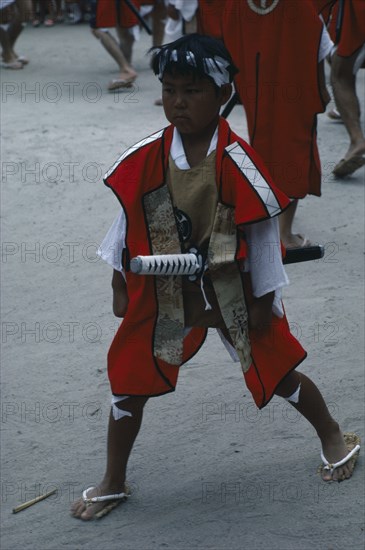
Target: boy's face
pixel 192 104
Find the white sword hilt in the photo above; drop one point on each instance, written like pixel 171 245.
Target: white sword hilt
pixel 166 264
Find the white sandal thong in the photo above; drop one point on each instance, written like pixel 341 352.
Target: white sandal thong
pixel 113 501
pixel 350 439
pixel 117 496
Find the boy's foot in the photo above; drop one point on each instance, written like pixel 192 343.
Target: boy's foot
pixel 119 83
pixel 295 240
pixel 347 167
pixel 96 502
pixel 333 114
pixel 125 80
pixel 15 65
pixel 22 59
pixel 335 449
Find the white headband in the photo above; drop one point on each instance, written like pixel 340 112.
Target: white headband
pixel 215 67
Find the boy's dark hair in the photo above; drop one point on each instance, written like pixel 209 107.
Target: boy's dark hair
pixel 200 45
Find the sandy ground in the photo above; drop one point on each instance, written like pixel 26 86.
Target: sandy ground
pixel 209 470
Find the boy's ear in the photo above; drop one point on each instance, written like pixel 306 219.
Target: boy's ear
pixel 226 92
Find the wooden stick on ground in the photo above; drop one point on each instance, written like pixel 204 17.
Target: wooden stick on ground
pixel 33 501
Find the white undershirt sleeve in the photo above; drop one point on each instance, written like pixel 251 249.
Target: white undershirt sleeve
pixel 326 43
pixel 264 261
pixel 113 244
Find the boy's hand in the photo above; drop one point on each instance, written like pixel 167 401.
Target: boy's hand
pixel 120 295
pixel 260 312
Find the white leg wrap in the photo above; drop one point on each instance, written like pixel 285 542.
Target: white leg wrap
pixel 118 413
pixel 294 397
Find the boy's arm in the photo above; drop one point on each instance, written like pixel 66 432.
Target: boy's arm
pixel 120 295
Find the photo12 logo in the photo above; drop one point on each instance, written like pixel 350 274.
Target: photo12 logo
pixel 69 92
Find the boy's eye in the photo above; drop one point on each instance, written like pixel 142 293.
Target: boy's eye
pixel 167 90
pixel 193 90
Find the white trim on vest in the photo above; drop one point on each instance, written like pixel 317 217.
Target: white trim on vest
pixel 134 148
pixel 245 164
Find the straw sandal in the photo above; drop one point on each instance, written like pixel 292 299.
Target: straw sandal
pixel 348 166
pixel 353 445
pixel 15 65
pixel 119 83
pixel 115 500
pixel 23 60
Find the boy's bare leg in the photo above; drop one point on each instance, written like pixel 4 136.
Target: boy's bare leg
pixel 344 90
pixel 112 47
pixel 288 238
pixel 126 40
pixel 20 14
pixel 7 51
pixel 12 17
pixel 14 31
pixel 313 407
pixel 25 10
pixel 59 10
pixel 121 437
pixel 158 22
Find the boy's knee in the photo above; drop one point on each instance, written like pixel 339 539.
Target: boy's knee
pixel 289 386
pixel 120 310
pixel 130 406
pixel 97 33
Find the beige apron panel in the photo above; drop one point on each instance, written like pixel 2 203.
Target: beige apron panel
pixel 227 282
pixel 194 191
pixel 169 330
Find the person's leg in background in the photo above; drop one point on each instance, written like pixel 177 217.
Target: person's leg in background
pixel 343 79
pixel 12 21
pixel 127 74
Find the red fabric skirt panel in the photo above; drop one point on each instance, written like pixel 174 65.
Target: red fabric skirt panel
pixel 137 372
pixel 275 353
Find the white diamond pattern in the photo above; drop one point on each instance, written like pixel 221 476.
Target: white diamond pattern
pixel 134 148
pixel 258 182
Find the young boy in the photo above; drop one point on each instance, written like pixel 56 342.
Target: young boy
pixel 197 186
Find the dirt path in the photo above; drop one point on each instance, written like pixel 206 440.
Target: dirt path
pixel 208 470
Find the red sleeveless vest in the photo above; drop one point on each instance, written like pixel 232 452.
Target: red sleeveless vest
pixel 135 366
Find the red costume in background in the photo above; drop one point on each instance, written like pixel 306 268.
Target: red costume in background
pixel 113 13
pixel 275 46
pixel 245 188
pixel 347 27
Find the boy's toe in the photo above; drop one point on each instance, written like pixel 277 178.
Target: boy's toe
pixel 348 469
pixel 77 508
pixel 326 475
pixel 87 514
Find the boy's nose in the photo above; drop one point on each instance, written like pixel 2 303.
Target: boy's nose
pixel 179 101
